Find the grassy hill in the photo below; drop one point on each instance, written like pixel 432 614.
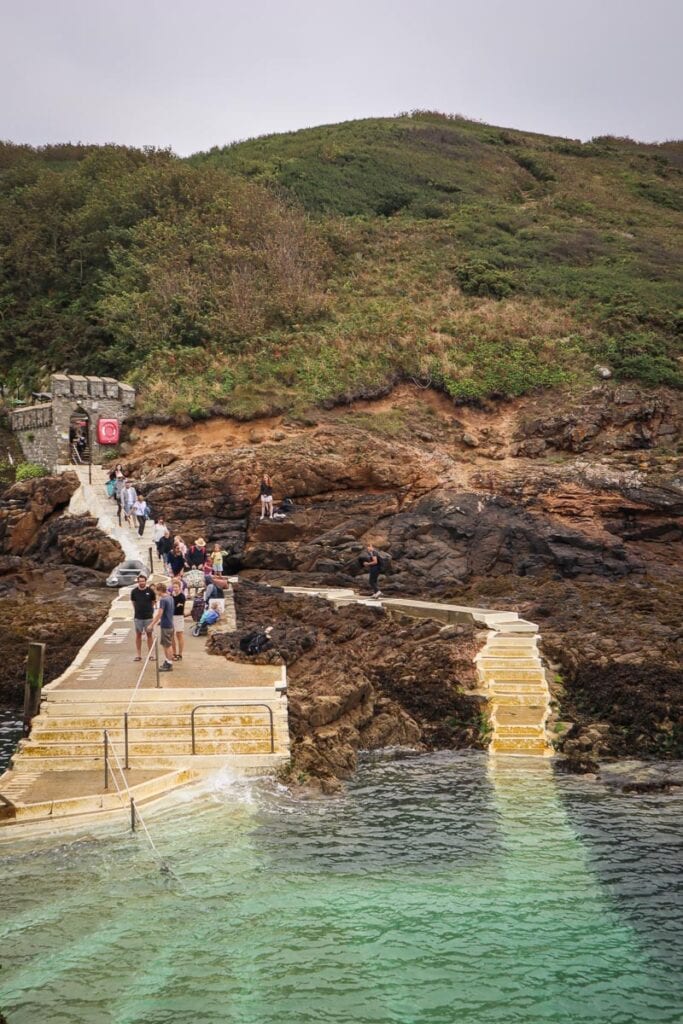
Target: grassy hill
pixel 319 265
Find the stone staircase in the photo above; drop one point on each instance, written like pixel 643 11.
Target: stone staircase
pixel 69 732
pixel 513 679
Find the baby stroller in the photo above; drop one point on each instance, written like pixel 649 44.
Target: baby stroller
pixel 209 618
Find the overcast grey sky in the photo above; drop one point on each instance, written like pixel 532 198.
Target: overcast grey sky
pixel 191 74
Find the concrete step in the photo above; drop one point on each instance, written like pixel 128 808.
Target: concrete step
pixel 512 686
pixel 506 663
pixel 514 675
pixel 519 730
pixel 527 745
pixel 43 724
pixel 163 694
pixel 161 708
pixel 252 730
pixel 237 745
pixel 239 762
pixel 536 700
pixel 143 791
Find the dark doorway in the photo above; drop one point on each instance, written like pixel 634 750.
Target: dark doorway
pixel 79 437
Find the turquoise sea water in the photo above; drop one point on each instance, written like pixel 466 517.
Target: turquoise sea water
pixel 439 889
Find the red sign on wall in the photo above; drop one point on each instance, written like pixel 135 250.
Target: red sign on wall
pixel 108 431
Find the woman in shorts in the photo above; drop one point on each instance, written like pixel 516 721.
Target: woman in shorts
pixel 178 620
pixel 266 497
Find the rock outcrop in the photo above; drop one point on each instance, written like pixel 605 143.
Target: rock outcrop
pixel 51 577
pixel 571 516
pixel 360 680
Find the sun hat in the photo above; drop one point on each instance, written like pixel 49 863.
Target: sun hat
pixel 200 542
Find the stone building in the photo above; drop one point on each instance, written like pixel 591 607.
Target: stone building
pixel 46 431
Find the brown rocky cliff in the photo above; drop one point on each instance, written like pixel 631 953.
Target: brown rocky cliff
pixel 51 577
pixel 570 514
pixel 360 680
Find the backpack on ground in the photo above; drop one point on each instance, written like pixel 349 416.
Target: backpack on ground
pixel 254 643
pixel 198 606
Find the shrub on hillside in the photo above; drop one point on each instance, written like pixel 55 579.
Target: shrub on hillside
pixel 478 277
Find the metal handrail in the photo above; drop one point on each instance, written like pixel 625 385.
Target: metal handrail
pixel 234 704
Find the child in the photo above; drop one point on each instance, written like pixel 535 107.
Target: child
pixel 216 557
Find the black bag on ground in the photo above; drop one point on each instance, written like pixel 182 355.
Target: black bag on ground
pixel 254 643
pixel 197 609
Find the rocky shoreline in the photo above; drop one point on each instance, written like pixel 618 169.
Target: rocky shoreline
pixel 52 572
pixel 572 516
pixel 360 679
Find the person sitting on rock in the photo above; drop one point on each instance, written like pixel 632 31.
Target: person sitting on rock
pixel 266 492
pixel 214 596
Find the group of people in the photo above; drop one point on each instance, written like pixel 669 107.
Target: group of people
pixel 194 571
pixel 159 606
pixel 133 508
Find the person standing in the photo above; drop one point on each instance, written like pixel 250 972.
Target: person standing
pixel 158 532
pixel 144 600
pixel 176 561
pixel 373 563
pixel 178 620
pixel 217 556
pixel 266 492
pixel 140 510
pixel 164 619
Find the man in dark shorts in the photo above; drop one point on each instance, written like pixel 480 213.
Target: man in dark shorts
pixel 144 599
pixel 164 616
pixel 373 563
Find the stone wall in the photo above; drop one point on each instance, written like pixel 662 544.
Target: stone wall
pixel 35 433
pixel 43 430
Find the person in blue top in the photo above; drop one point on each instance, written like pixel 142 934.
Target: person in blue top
pixel 164 619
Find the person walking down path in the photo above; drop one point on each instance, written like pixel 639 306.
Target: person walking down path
pixel 140 510
pixel 164 619
pixel 372 561
pixel 266 492
pixel 178 620
pixel 144 599
pixel 128 498
pixel 164 546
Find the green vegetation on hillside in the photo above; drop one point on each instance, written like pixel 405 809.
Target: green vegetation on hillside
pixel 324 264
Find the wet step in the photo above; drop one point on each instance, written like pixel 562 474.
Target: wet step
pixel 520 745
